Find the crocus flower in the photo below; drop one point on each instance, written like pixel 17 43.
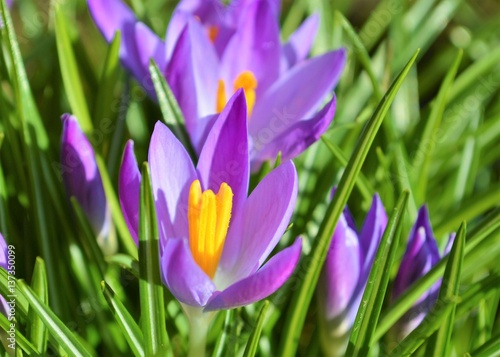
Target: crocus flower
pixel 4 307
pixel 214 240
pixel 210 51
pixel 420 256
pixel 82 180
pixel 344 275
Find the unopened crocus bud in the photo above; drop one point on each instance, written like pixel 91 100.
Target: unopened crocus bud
pixel 344 275
pixel 421 255
pixel 83 181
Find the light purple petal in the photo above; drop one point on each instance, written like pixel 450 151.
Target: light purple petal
pixel 224 157
pixel 138 43
pixel 172 174
pixel 254 47
pixel 129 190
pixel 81 176
pixel 420 256
pixel 299 93
pixel 183 277
pixel 299 44
pixel 4 307
pixel 371 233
pixel 341 273
pixel 192 75
pixel 256 229
pixel 294 139
pixel 261 284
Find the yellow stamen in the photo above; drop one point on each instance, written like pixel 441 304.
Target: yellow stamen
pixel 247 81
pixel 221 96
pixel 213 32
pixel 208 216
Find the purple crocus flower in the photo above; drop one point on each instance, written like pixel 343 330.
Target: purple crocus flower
pixel 214 239
pixel 82 180
pixel 4 307
pixel 420 256
pixel 345 273
pixel 211 50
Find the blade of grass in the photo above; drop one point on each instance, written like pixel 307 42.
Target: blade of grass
pixel 69 71
pixel 59 331
pixel 37 331
pixel 172 115
pixel 128 326
pixel 224 336
pixel 375 291
pixel 253 340
pixel 489 349
pixel 115 208
pixel 20 340
pixel 300 302
pixel 439 343
pixel 421 163
pixel 150 285
pixel 362 182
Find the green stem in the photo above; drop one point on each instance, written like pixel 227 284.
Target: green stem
pixel 199 322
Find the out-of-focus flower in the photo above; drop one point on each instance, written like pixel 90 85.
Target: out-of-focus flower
pixel 82 180
pixel 211 51
pixel 4 307
pixel 344 275
pixel 214 239
pixel 420 256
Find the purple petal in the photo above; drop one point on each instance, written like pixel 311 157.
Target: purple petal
pixel 420 256
pixel 129 188
pixel 371 233
pixel 4 307
pixel 254 47
pixel 138 43
pixel 183 277
pixel 299 92
pixel 192 75
pixel 224 157
pixel 258 226
pixel 261 284
pixel 449 244
pixel 299 44
pixel 341 273
pixel 81 176
pixel 283 134
pixel 172 174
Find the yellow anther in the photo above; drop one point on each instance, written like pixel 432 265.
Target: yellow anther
pixel 221 96
pixel 247 81
pixel 208 216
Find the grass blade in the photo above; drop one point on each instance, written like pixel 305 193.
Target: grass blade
pixel 37 331
pixel 59 331
pixel 300 302
pixel 20 340
pixel 69 71
pixel 170 110
pixel 439 343
pixel 150 285
pixel 421 164
pixel 373 296
pixel 128 326
pixel 253 340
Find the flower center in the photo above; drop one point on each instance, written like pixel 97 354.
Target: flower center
pixel 213 32
pixel 208 216
pixel 246 81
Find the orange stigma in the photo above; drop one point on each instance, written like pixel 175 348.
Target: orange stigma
pixel 208 217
